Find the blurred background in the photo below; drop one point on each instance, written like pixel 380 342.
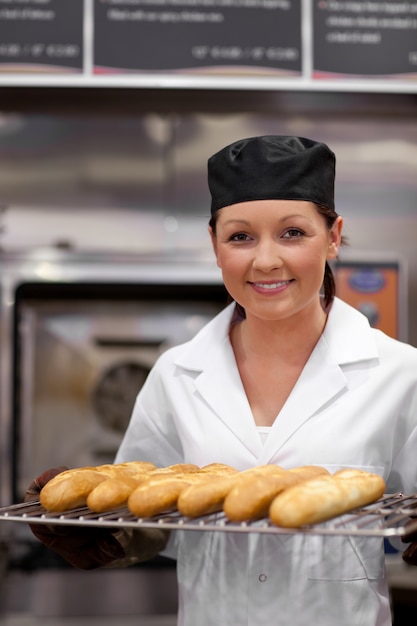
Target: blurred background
pixel 105 261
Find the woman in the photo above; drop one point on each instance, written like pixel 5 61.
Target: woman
pixel 285 375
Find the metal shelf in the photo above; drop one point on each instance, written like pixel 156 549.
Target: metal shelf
pixel 385 518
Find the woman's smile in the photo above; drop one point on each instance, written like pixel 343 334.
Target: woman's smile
pixel 269 286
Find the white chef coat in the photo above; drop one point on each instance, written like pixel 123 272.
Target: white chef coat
pixel 354 405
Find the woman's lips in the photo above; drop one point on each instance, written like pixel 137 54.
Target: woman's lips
pixel 275 285
pixel 278 285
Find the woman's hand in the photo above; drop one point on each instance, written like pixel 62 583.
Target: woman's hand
pixel 83 548
pixel 410 553
pixel 90 548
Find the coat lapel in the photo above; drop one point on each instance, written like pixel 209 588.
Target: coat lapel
pixel 210 359
pixel 321 380
pixel 221 387
pixel 347 340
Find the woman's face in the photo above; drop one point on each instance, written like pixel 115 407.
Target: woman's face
pixel 272 254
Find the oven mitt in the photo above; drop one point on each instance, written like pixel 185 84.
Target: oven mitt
pixel 410 553
pixel 88 548
pixel 83 548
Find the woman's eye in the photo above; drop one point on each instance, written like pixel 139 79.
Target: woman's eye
pixel 239 237
pixel 292 233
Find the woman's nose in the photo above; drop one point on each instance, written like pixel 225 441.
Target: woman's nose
pixel 267 256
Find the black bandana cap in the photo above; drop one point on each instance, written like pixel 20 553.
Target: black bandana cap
pixel 272 167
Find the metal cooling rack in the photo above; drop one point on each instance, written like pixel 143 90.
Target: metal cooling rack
pixel 385 518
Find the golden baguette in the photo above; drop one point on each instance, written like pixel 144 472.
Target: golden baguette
pixel 130 468
pixel 158 495
pixel 113 493
pixel 178 468
pixel 161 491
pixel 206 498
pixel 109 469
pixel 70 472
pixel 70 491
pixel 217 469
pixel 250 499
pixel 320 499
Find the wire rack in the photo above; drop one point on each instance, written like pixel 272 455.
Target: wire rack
pixel 387 517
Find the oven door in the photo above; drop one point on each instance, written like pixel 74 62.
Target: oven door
pixel 82 353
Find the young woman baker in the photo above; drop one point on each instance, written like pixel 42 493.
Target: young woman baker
pixel 287 374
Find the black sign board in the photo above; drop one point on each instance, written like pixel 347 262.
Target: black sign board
pixel 364 39
pixel 274 44
pixel 209 36
pixel 41 36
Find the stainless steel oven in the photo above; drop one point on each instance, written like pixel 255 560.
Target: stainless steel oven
pixel 79 334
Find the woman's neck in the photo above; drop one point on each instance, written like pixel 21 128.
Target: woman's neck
pixel 270 357
pixel 295 335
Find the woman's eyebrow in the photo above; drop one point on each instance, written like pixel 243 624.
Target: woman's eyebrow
pixel 236 221
pixel 285 218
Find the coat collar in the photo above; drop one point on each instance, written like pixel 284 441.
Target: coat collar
pixel 347 334
pixel 209 358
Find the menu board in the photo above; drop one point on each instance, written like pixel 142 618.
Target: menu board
pixel 365 39
pixel 205 36
pixel 274 44
pixel 41 36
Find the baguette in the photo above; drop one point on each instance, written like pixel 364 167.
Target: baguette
pixel 160 494
pixel 71 488
pixel 113 493
pixel 178 468
pixel 70 491
pixel 250 499
pixel 209 497
pixel 130 468
pixel 320 499
pixel 217 469
pixel 109 469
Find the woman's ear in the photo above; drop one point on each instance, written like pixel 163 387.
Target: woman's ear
pixel 335 238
